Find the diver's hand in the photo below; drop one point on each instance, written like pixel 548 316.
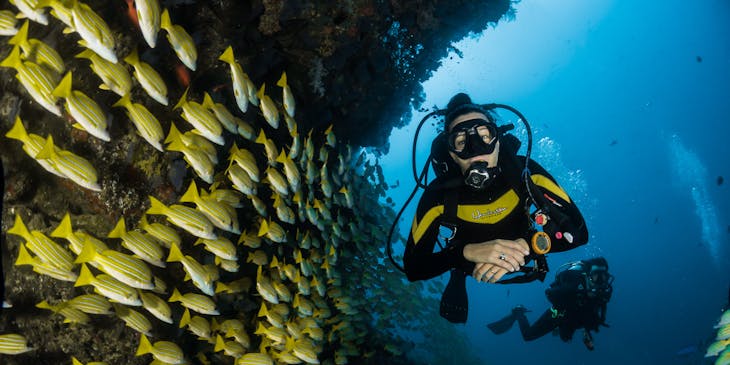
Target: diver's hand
pixel 488 273
pixel 505 254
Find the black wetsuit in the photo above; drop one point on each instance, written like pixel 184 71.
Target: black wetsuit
pixel 499 212
pixel 572 309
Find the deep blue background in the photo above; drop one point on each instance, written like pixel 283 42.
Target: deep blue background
pixel 631 102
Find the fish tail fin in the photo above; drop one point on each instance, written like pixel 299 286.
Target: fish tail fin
pixel 87 254
pixel 124 101
pixel 64 229
pixel 191 195
pixel 132 58
pixel 18 131
pixel 85 276
pixel 165 22
pixel 282 80
pixel 145 347
pixel 219 344
pixel 156 207
pixel 175 254
pixel 13 59
pixel 176 296
pixel 119 230
pixel 19 228
pixel 21 37
pixel 63 90
pixel 24 257
pixel 227 56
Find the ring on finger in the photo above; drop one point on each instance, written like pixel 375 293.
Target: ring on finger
pixel 502 256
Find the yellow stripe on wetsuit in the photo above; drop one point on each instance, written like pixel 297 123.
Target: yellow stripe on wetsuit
pixel 545 182
pixel 483 213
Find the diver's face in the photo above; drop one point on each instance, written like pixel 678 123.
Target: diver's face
pixel 490 159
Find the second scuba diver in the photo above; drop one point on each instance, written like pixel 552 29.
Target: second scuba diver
pixel 478 209
pixel 578 295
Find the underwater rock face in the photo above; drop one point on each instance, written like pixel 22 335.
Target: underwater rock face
pixel 355 65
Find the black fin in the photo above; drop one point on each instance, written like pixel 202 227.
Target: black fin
pixel 454 302
pixel 503 325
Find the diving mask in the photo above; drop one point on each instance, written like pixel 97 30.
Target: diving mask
pixel 473 137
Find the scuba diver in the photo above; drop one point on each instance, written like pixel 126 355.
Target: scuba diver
pixel 478 208
pixel 579 296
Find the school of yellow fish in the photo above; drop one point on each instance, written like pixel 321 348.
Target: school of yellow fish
pixel 721 345
pixel 315 244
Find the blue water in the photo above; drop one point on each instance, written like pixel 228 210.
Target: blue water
pixel 628 101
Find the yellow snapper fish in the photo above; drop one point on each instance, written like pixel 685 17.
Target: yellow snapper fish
pixel 272 230
pixel 46 249
pixel 290 170
pixel 245 130
pixel 83 109
pixel 163 351
pixel 245 159
pixel 277 181
pixel 43 268
pixel 93 30
pixel 287 96
pixel 221 247
pixel 31 10
pixel 166 235
pixel 265 288
pixel 60 11
pixel 148 14
pixel 220 214
pixel 151 81
pixel 304 350
pixel 283 212
pixel 194 270
pixel 241 180
pixel 8 21
pixel 330 137
pixel 73 167
pixel 259 205
pixel 142 245
pixel 241 285
pixel 255 358
pixel 180 41
pixel 204 122
pixel 198 325
pixel 240 91
pixel 195 302
pixel 228 120
pixel 114 76
pixel 32 144
pixel 198 159
pixel 274 318
pixel 269 146
pixel 268 107
pixel 125 268
pixel 184 217
pixel 227 265
pixel 724 319
pixel 70 314
pixel 37 51
pixel 109 287
pixel 91 304
pixel 156 306
pixel 13 344
pixel 228 196
pixel 249 240
pixel 37 80
pixel 230 348
pixel 133 319
pixel 194 140
pixel 76 239
pixel 296 144
pixel 147 125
